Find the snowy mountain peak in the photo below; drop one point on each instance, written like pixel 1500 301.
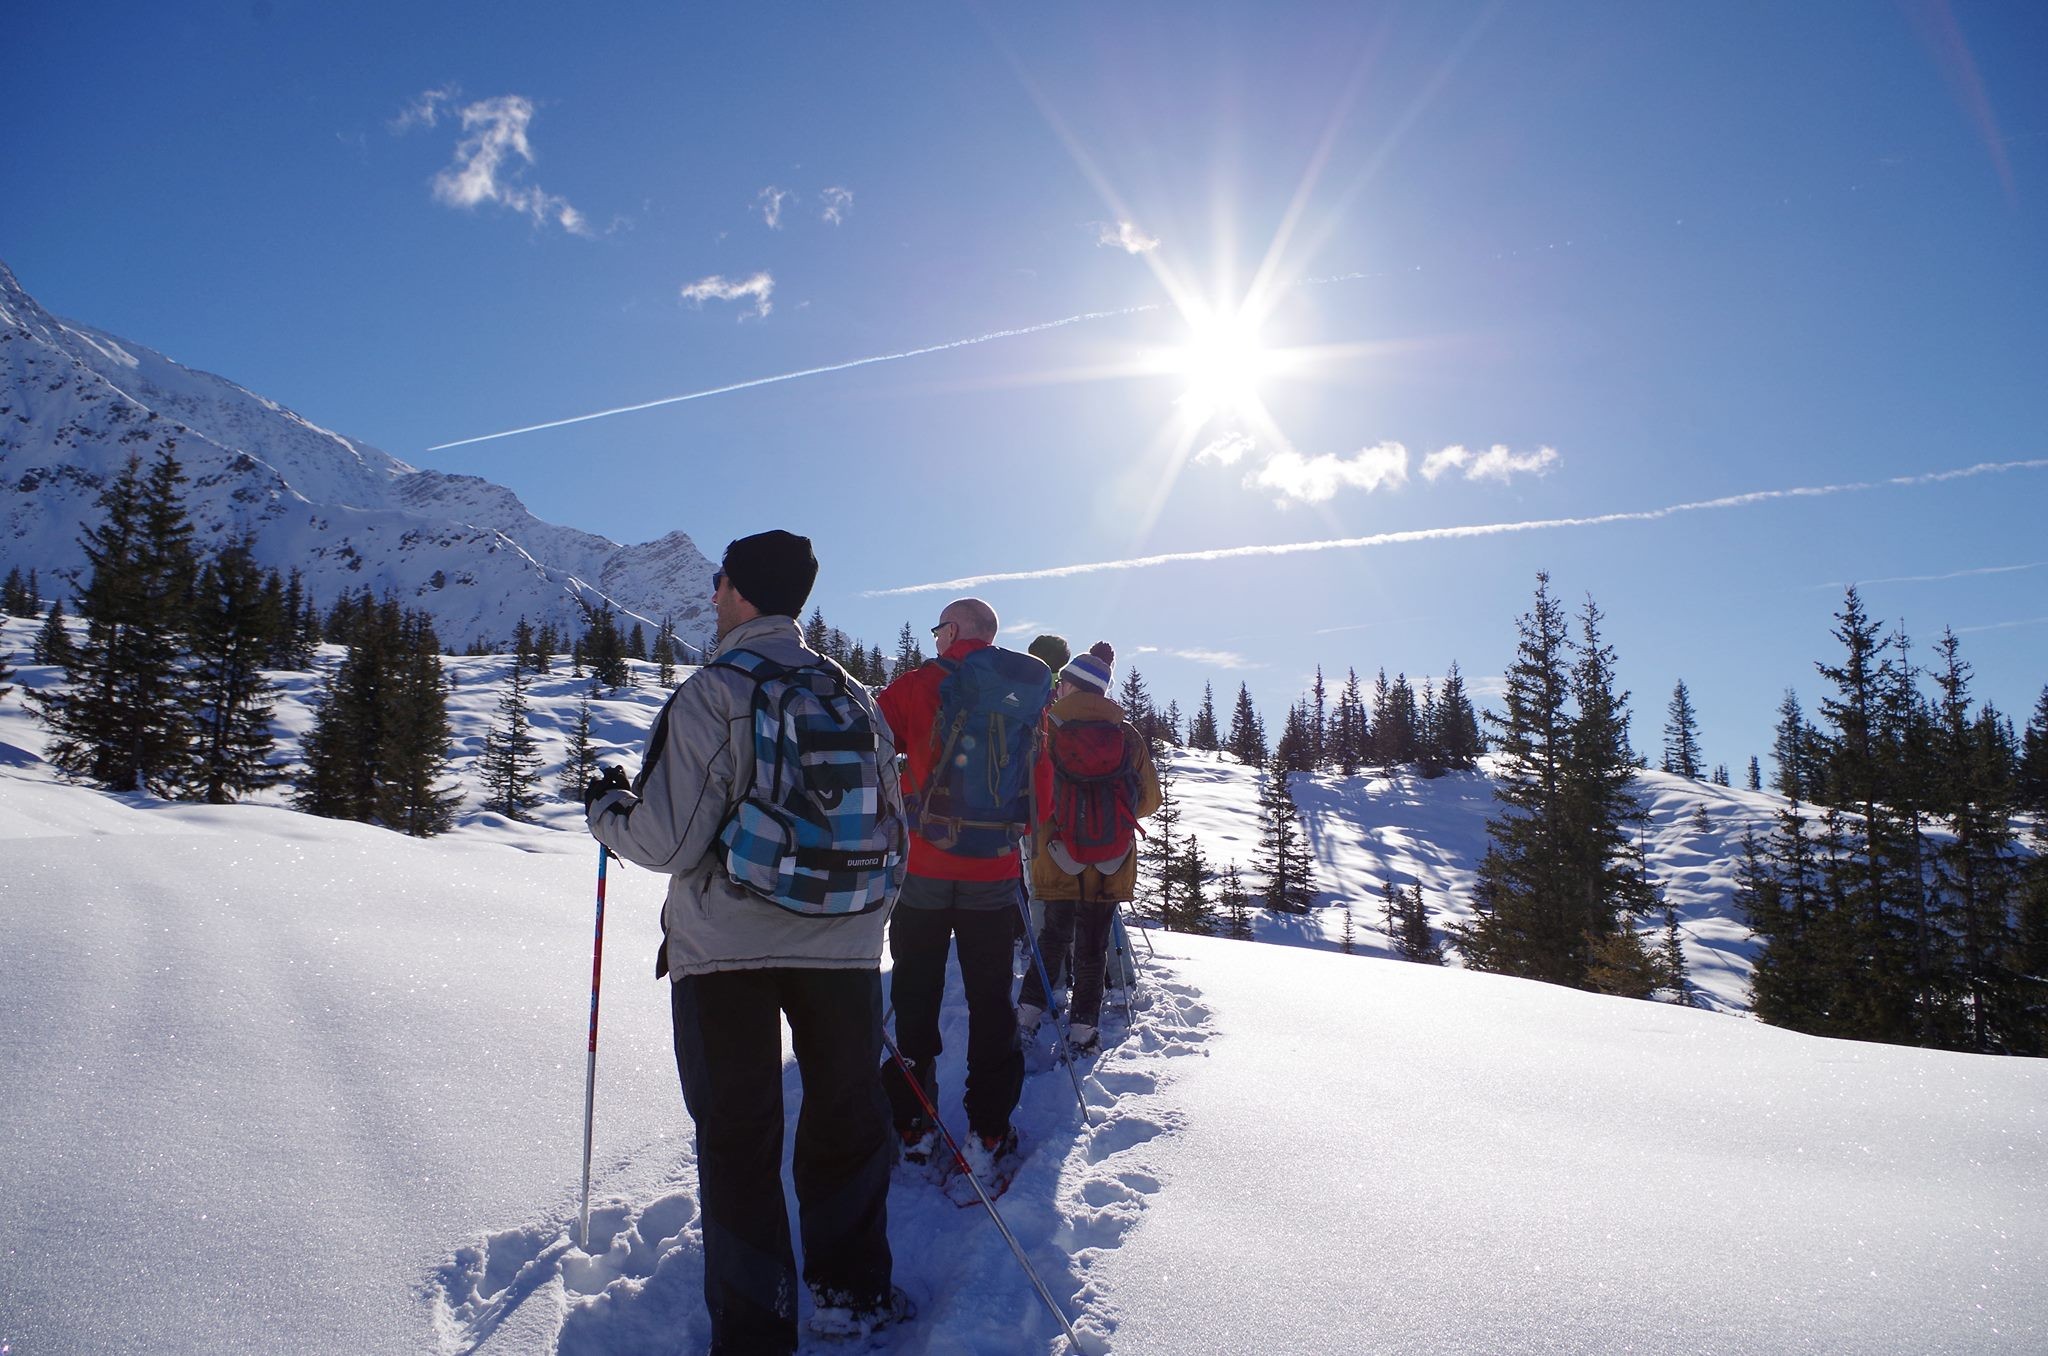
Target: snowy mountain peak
pixel 76 402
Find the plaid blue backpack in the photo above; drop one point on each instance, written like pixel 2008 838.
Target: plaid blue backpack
pixel 816 832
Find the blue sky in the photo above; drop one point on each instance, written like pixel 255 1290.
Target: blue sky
pixel 1327 273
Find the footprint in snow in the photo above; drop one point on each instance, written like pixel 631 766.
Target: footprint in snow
pixel 637 1287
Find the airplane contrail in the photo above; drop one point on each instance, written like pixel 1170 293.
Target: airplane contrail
pixel 1453 533
pixel 792 376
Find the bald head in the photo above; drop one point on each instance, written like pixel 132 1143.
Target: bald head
pixel 975 619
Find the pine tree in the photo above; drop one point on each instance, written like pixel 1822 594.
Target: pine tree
pixel 1794 749
pixel 1561 882
pixel 53 642
pixel 1352 734
pixel 1202 732
pixel 123 720
pixel 2030 782
pixel 523 645
pixel 1347 938
pixel 1247 739
pixel 1296 749
pixel 1407 924
pixel 909 654
pixel 604 650
pixel 665 655
pixel 1193 911
pixel 817 634
pixel 581 764
pixel 15 600
pixel 1978 871
pixel 233 634
pixel 6 672
pixel 1681 735
pixel 379 745
pixel 510 766
pixel 1671 970
pixel 1235 903
pixel 636 643
pixel 1318 726
pixel 1755 780
pixel 1136 701
pixel 1284 858
pixel 1170 723
pixel 1458 724
pixel 1159 853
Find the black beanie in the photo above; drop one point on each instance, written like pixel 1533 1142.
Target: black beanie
pixel 772 570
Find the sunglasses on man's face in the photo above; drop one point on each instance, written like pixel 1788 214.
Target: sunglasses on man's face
pixel 717 582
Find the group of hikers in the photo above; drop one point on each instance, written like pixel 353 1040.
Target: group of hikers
pixel 803 822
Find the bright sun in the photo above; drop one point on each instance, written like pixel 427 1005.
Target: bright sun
pixel 1222 362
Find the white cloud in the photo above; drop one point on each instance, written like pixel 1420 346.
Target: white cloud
pixel 717 287
pixel 1228 450
pixel 1496 463
pixel 1125 235
pixel 487 165
pixel 838 202
pixel 424 111
pixel 771 199
pixel 1313 480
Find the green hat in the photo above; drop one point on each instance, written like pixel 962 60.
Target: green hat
pixel 1052 650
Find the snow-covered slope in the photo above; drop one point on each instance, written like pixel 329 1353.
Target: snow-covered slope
pixel 276 1083
pixel 75 403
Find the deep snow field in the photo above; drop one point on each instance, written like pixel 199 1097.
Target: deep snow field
pixel 281 1084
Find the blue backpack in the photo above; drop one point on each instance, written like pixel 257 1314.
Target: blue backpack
pixel 977 801
pixel 816 832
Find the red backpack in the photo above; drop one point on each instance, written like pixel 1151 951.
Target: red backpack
pixel 1094 791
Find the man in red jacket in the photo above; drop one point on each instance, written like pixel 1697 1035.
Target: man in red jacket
pixel 968 902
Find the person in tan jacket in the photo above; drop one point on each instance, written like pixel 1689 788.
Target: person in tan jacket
pixel 1095 779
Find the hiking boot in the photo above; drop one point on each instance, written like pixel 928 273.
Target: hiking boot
pixel 917 1142
pixel 1083 1040
pixel 836 1319
pixel 1028 1017
pixel 985 1154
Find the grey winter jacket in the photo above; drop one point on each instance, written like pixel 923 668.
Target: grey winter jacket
pixel 699 761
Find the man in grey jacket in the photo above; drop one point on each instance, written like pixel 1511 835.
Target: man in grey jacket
pixel 738 963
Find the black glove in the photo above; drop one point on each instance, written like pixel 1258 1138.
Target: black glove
pixel 614 779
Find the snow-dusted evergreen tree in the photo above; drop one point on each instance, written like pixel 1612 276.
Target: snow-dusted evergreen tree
pixel 1284 857
pixel 510 766
pixel 1247 738
pixel 1202 731
pixel 581 764
pixel 1681 735
pixel 233 630
pixel 122 719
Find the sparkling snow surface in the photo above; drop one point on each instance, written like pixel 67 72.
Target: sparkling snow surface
pixel 274 1083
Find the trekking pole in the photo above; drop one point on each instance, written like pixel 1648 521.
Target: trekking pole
pixel 960 1161
pixel 590 1074
pixel 1059 1024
